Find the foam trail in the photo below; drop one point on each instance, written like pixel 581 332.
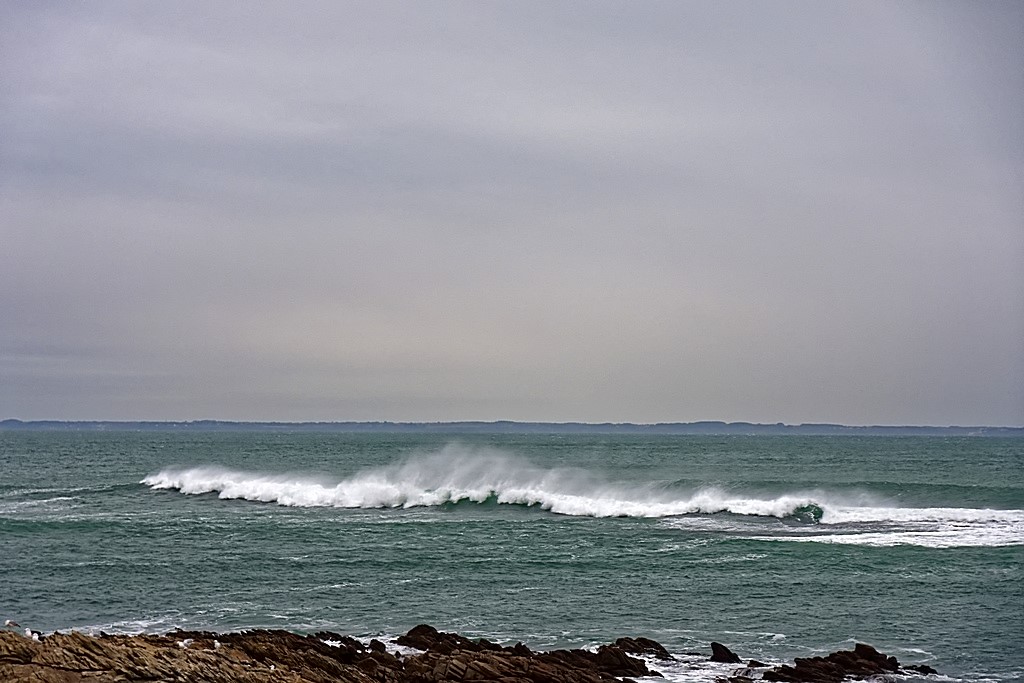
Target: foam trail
pixel 965 537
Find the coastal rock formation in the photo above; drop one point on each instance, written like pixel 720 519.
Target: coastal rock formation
pixel 863 661
pixel 262 656
pixel 643 646
pixel 720 653
pixel 609 662
pixel 252 657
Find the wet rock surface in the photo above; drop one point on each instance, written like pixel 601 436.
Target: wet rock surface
pixel 270 655
pixel 863 661
pixel 720 653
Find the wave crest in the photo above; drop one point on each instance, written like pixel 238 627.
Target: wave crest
pixel 457 476
pixel 454 476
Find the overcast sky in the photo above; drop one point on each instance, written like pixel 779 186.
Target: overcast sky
pixel 594 211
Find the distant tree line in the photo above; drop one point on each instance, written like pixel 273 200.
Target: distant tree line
pixel 708 428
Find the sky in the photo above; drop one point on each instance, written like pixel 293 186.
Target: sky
pixel 549 211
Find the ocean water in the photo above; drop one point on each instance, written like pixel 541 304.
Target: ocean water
pixel 778 546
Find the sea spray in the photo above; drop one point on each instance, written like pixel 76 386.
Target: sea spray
pixel 456 475
pixel 453 476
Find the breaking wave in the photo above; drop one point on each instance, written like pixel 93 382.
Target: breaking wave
pixel 452 477
pixel 457 476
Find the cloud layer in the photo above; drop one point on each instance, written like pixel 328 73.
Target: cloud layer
pixel 539 211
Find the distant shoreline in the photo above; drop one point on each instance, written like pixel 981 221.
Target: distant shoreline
pixel 703 428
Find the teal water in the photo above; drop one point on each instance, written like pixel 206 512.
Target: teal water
pixel 778 546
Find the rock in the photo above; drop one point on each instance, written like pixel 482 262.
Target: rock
pixel 720 653
pixel 246 658
pixel 643 646
pixel 613 661
pixel 862 661
pixel 754 664
pixel 744 674
pixel 921 669
pixel 421 637
pixel 424 637
pixel 262 656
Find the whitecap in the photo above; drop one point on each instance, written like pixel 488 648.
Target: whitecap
pixel 458 475
pixel 455 475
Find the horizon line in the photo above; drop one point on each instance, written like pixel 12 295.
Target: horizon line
pixel 498 422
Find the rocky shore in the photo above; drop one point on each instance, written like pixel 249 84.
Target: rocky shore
pixel 261 656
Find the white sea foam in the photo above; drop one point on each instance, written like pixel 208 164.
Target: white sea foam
pixel 41 505
pixel 964 537
pixel 878 526
pixel 156 624
pixel 847 514
pixel 453 476
pixel 456 475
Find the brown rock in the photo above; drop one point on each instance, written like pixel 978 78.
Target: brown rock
pixel 643 646
pixel 421 637
pixel 862 661
pixel 262 656
pixel 720 653
pixel 921 669
pixel 521 650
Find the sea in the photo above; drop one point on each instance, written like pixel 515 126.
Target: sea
pixel 777 546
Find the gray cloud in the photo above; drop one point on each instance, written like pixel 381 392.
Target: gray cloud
pixel 669 211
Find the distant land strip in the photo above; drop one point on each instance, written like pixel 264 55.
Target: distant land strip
pixel 708 428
